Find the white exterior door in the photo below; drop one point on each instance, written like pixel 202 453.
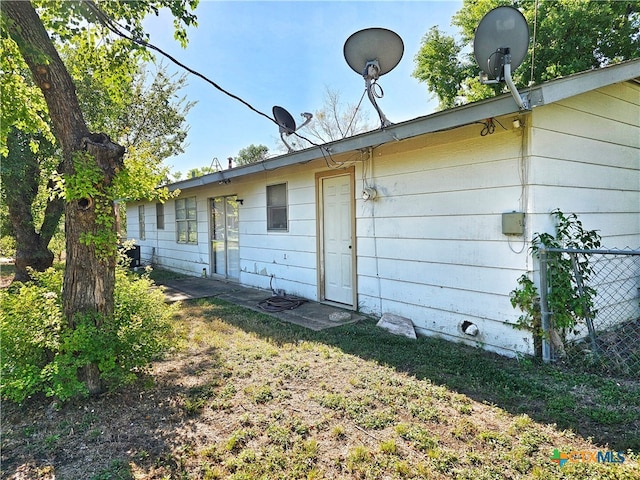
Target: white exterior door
pixel 337 239
pixel 225 252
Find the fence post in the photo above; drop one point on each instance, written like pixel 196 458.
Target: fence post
pixel 544 306
pixel 588 314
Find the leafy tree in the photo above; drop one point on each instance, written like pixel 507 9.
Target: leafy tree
pixel 40 355
pixel 252 154
pixel 91 162
pixel 145 116
pixel 22 170
pixel 571 36
pixel 199 172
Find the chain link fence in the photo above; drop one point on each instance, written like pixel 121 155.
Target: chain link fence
pixel 603 334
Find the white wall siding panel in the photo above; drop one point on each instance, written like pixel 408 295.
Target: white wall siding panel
pixel 586 160
pixel 494 254
pixel 436 228
pixel 555 171
pixel 286 260
pixel 554 118
pixel 442 226
pixel 430 247
pixel 582 150
pixel 464 277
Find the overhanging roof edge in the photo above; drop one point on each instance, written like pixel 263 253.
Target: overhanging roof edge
pixel 549 92
pixel 444 120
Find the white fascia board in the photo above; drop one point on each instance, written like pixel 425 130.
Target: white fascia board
pixel 572 85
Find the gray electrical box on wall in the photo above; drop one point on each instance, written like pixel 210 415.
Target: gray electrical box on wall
pixel 513 223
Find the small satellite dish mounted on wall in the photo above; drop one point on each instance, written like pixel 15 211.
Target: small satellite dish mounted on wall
pixel 287 124
pixel 500 45
pixel 372 52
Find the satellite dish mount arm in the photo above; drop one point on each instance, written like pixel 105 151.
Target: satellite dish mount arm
pixel 522 102
pixel 370 75
pixel 282 134
pixel 505 74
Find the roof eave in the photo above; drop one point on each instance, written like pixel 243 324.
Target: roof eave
pixel 550 92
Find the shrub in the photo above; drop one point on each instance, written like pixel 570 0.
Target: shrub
pixel 7 246
pixel 40 354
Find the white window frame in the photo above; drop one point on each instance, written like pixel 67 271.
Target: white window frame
pixel 275 210
pixel 186 220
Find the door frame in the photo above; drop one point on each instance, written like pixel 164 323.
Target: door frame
pixel 211 249
pixel 319 177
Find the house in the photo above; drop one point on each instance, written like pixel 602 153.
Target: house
pixel 409 220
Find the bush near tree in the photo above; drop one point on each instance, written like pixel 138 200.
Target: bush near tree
pixel 40 355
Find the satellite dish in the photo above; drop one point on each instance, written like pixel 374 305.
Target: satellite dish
pixel 287 124
pixel 284 120
pixel 372 52
pixel 500 45
pixel 373 44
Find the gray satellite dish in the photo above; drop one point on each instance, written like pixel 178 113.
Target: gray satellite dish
pixel 500 45
pixel 373 44
pixel 372 52
pixel 284 120
pixel 287 124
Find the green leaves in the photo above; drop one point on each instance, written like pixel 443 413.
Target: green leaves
pixel 40 354
pixel 439 65
pixel 22 104
pixel 252 154
pixel 568 305
pixel 570 36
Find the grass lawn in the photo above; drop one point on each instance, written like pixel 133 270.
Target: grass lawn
pixel 249 397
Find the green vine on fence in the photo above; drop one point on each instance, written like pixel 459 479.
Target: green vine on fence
pixel 569 305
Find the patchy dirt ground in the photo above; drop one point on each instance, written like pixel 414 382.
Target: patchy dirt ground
pixel 250 397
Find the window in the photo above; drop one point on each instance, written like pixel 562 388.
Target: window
pixel 186 222
pixel 277 207
pixel 160 216
pixel 141 222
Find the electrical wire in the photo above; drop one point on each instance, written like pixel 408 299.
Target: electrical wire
pixel 489 127
pixel 119 30
pixel 115 28
pixel 355 112
pixel 379 92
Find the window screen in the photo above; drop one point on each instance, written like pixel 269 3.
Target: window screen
pixel 277 207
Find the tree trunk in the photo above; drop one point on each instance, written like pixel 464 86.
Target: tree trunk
pixel 21 179
pixel 89 278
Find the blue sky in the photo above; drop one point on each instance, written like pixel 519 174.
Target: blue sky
pixel 287 53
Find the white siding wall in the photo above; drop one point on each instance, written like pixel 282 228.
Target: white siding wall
pixel 430 246
pixel 282 260
pixel 585 159
pixel 160 246
pixel 436 230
